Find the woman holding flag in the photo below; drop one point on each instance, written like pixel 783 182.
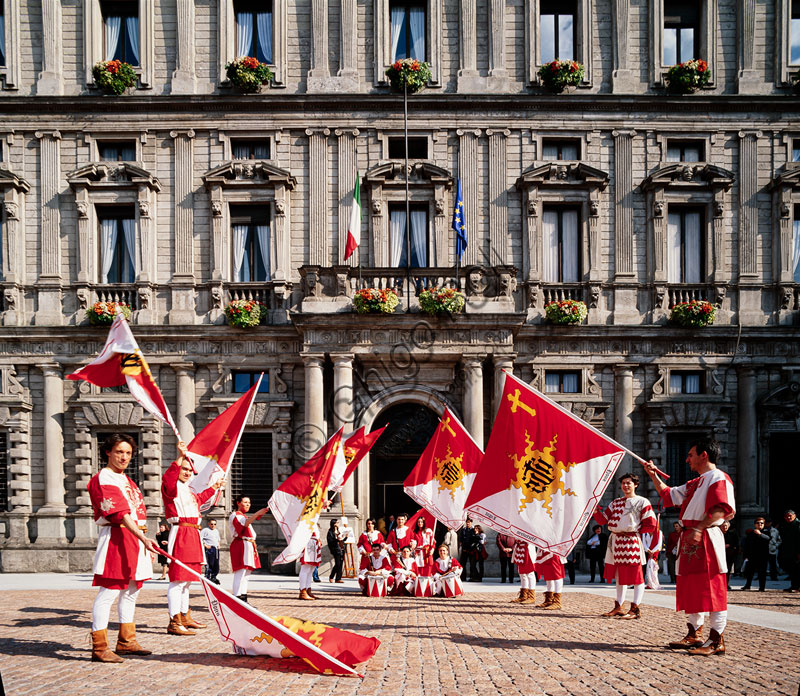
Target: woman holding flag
pixel 244 554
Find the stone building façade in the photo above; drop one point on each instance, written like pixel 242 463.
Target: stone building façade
pixel 615 193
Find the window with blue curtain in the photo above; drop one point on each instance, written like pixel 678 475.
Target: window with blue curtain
pixel 560 149
pixel 681 29
pixel 685 252
pixel 121 31
pixel 418 231
pixel 243 149
pixel 684 151
pixel 254 29
pixel 408 23
pixel 562 382
pixel 794 34
pixel 2 36
pixel 557 30
pixel 243 381
pixel 561 245
pixel 686 382
pixel 250 227
pixel 116 150
pixel 117 244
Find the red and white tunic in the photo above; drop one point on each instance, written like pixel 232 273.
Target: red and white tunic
pixel 182 510
pixel 382 565
pixel 405 572
pixel 441 566
pixel 120 556
pixel 524 556
pixel 423 552
pixel 701 569
pixel 243 547
pixel 548 566
pixel 400 537
pixel 627 519
pixel 312 554
pixel 367 539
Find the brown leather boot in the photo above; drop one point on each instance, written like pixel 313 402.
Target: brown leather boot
pixel 189 622
pixel 693 639
pixel 176 627
pixel 306 596
pixel 127 643
pixel 616 611
pixel 633 613
pixel 715 645
pixel 548 600
pixel 530 597
pixel 100 650
pixel 311 594
pixel 522 594
pixel 555 601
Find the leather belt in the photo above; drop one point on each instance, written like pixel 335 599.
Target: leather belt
pixel 250 539
pixel 142 528
pixel 189 524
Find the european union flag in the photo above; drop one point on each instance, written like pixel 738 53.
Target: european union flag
pixel 459 223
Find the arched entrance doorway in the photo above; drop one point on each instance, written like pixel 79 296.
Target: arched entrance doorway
pixel 410 427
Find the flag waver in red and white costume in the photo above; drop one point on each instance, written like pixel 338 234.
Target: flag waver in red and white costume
pixel 550 568
pixel 400 536
pixel 311 558
pixel 244 553
pixel 524 557
pixel 370 538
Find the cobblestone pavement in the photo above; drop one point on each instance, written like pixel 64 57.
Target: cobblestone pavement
pixel 478 644
pixel 774 600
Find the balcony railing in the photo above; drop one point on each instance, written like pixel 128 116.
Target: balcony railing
pixel 122 293
pixel 676 294
pixel 564 291
pixel 263 292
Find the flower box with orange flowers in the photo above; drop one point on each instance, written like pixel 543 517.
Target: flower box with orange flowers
pixel 248 74
pixel 244 314
pixel 103 313
pixel 410 73
pixel 557 75
pixel 375 301
pixel 566 312
pixel 688 77
pixel 693 315
pixel 114 76
pixel 442 301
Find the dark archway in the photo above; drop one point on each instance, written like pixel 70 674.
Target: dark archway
pixel 784 474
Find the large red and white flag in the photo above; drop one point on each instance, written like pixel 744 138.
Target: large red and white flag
pixel 354 448
pixel 297 503
pixel 121 363
pixel 543 472
pixel 213 448
pixel 444 474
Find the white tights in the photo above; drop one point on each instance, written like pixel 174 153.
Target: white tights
pixel 240 581
pixel 178 598
pixel 126 606
pixel 638 593
pixel 527 581
pixel 554 585
pixel 717 620
pixel 306 575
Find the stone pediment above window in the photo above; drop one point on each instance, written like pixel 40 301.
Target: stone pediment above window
pixel 116 174
pixel 689 175
pixel 249 173
pixel 391 173
pixel 572 174
pixel 9 180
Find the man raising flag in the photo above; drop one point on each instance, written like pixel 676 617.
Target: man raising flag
pixel 354 228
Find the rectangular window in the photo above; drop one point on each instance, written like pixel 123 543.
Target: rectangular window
pixel 557 26
pixel 4 493
pixel 561 382
pixel 134 469
pixel 121 31
pixel 254 23
pixel 242 381
pixel 796 245
pixel 116 150
pixel 251 469
pixel 117 244
pixel 417 148
pixel 120 389
pixel 685 257
pixel 418 232
pixel 408 24
pixel 250 228
pixel 794 34
pixel 561 246
pixel 678 445
pixel 796 150
pixel 681 30
pixel 242 149
pixel 686 382
pixel 2 35
pixel 555 149
pixel 685 151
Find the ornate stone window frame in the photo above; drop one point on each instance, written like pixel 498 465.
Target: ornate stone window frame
pixel 587 388
pixel 713 382
pixel 385 185
pixel 783 69
pixel 273 137
pixel 383 41
pixel 707 44
pixel 663 138
pixel 93 40
pixel 785 189
pixel 583 46
pixel 13 190
pixel 385 136
pixel 582 140
pixel 97 137
pixel 227 40
pixel 10 72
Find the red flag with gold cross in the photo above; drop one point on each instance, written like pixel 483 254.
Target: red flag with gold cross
pixel 544 471
pixel 443 476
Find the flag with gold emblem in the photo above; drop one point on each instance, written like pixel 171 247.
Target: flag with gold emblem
pixel 443 476
pixel 544 471
pixel 297 503
pixel 355 447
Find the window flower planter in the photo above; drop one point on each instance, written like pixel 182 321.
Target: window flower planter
pixel 375 301
pixel 248 74
pixel 410 73
pixel 688 77
pixel 114 76
pixel 103 313
pixel 244 314
pixel 557 75
pixel 440 301
pixel 566 312
pixel 695 314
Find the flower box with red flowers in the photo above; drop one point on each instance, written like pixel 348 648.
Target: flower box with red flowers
pixel 688 77
pixel 557 75
pixel 440 301
pixel 565 312
pixel 103 313
pixel 408 73
pixel 248 74
pixel 114 76
pixel 375 301
pixel 695 314
pixel 244 314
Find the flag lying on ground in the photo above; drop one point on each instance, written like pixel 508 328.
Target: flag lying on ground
pixel 297 503
pixel 354 448
pixel 354 228
pixel 213 448
pixel 443 476
pixel 121 363
pixel 543 472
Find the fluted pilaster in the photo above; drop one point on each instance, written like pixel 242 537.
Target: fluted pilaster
pixel 50 80
pixel 318 204
pixel 348 164
pixel 623 204
pixel 498 197
pixel 183 78
pixel 468 171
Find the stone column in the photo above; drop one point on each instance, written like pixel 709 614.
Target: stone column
pixel 473 397
pixel 498 197
pixel 468 43
pixel 747 471
pixel 49 310
pixel 348 164
pixel 343 413
pixel 314 430
pixel 50 80
pixel 185 399
pixel 749 79
pixel 625 288
pixel 348 69
pixel 750 311
pixel 183 310
pixel 623 405
pixel 502 363
pixel 318 205
pixel 320 71
pixel 183 77
pixel 622 79
pixel 51 515
pixel 497 38
pixel 468 172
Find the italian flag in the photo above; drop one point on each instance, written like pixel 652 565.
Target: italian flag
pixel 354 228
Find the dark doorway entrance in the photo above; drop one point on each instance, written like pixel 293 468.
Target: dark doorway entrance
pixel 410 428
pixel 784 474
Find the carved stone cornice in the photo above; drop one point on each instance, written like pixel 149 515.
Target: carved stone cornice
pixel 112 174
pixel 560 174
pixel 391 173
pixel 689 175
pixel 248 173
pixel 9 180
